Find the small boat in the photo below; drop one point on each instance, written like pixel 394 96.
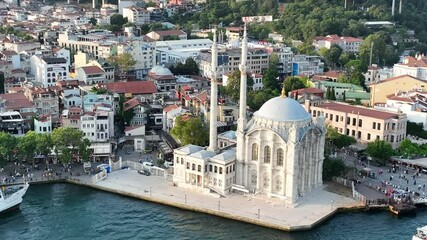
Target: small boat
pixel 421 234
pixel 11 197
pixel 402 209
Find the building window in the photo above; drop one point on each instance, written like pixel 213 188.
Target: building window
pixel 188 165
pixel 220 170
pixel 279 157
pixel 359 134
pixel 215 169
pixel 193 167
pixel 267 154
pixel 254 152
pixel 336 118
pixel 182 160
pixel 369 136
pixel 177 160
pixel 353 133
pixel 210 168
pixel 374 125
pixel 354 121
pixel 392 138
pixel 348 120
pixel 360 122
pixel 379 126
pixel 199 168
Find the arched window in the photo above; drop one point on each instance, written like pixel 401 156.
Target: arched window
pixel 254 152
pixel 267 154
pixel 279 157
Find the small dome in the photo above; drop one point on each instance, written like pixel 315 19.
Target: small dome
pixel 160 71
pixel 282 109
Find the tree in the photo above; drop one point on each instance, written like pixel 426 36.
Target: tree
pixel 269 79
pixel 382 51
pixel 333 168
pixel 67 142
pixel 93 21
pixel 257 98
pixel 191 131
pixel 7 147
pixel 416 129
pixel 124 116
pixel 380 150
pixel 189 68
pixel 118 20
pixel 232 89
pixel 332 55
pixel 333 97
pixel 293 83
pixel 337 139
pixel 27 146
pixel 124 62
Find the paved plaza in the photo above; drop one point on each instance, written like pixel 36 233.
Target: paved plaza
pixel 258 210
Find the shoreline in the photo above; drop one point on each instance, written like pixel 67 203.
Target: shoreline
pixel 205 210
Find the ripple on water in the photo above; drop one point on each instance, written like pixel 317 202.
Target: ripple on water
pixel 63 211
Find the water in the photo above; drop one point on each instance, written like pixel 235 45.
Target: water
pixel 64 211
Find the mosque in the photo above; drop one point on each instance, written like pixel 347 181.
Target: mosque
pixel 279 152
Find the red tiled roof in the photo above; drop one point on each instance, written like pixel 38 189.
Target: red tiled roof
pixel 129 128
pixel 170 108
pixel 92 70
pixel 415 62
pixel 400 98
pixel 170 33
pixel 138 87
pixel 332 74
pixel 131 103
pixel 203 97
pixel 68 83
pixel 16 101
pixel 309 90
pixel 339 107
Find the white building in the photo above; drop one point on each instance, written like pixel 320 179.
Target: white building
pixel 137 15
pixel 412 66
pixel 144 53
pixel 279 152
pixel 347 44
pixel 377 74
pixel 175 51
pixel 122 4
pixel 98 127
pixel 169 115
pixel 43 124
pixel 304 65
pixel 48 70
pixel 91 75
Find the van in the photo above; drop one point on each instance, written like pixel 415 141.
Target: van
pixel 147 164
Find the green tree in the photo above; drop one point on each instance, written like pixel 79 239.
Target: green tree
pixel 118 20
pixel 293 83
pixel 333 168
pixel 232 89
pixel 380 150
pixel 27 146
pixel 44 145
pixel 124 62
pixel 337 139
pixel 333 97
pixel 191 131
pixel 382 51
pixel 67 142
pixel 332 55
pixel 257 98
pixel 7 147
pixel 270 77
pixel 93 21
pixel 416 129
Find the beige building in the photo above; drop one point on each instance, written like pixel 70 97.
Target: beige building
pixel 404 83
pixel 364 124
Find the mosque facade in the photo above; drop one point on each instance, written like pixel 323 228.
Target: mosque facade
pixel 279 152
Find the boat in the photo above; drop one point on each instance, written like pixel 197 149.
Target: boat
pixel 11 197
pixel 421 202
pixel 402 209
pixel 421 234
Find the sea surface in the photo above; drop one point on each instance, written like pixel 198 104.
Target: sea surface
pixel 65 211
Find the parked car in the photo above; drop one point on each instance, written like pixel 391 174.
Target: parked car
pixel 148 164
pixel 168 164
pixel 144 172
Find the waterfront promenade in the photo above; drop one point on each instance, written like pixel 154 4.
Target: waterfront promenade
pixel 314 209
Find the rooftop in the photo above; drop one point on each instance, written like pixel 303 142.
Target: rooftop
pixel 362 111
pixel 137 87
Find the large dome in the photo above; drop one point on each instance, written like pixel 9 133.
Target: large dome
pixel 282 109
pixel 160 71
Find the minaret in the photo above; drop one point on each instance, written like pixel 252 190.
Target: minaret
pixel 213 144
pixel 242 167
pixel 243 83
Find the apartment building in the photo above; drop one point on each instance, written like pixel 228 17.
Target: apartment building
pixel 45 100
pixel 48 70
pixel 347 44
pixel 136 15
pixel 143 52
pixel 412 66
pixel 364 124
pixel 304 65
pixel 97 126
pixel 229 61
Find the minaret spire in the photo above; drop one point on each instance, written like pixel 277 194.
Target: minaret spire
pixel 243 82
pixel 213 145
